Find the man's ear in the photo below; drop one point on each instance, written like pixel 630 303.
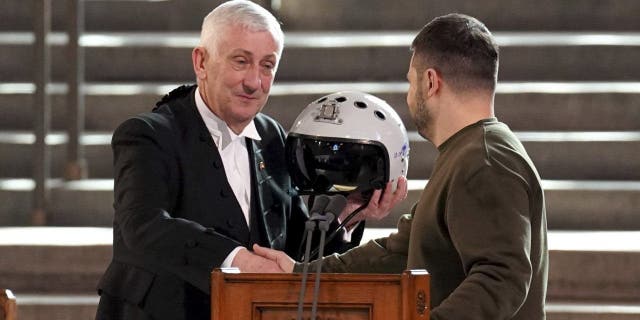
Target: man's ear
pixel 198 57
pixel 432 83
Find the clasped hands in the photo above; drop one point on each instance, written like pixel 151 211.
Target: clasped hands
pixel 266 260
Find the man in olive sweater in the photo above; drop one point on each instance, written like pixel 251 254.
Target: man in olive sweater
pixel 479 227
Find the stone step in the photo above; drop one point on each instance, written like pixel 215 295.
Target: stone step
pixel 497 15
pixel 571 205
pixel 525 106
pixel 54 259
pixel 584 266
pixel 337 56
pixel 80 307
pixel 117 15
pixel 47 306
pixel 75 203
pixel 592 311
pixel 17 152
pixel 558 155
pixel 343 15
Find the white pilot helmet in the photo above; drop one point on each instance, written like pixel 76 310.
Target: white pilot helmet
pixel 346 141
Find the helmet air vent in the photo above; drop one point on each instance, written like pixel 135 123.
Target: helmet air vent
pixel 360 104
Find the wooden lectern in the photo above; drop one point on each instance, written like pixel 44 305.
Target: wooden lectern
pixel 8 308
pixel 260 296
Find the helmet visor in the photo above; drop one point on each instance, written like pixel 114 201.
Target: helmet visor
pixel 319 165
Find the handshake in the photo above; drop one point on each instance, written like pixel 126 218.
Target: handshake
pixel 266 260
pixel 263 260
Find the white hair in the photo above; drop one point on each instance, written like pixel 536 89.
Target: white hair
pixel 238 13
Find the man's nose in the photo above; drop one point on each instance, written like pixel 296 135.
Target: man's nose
pixel 252 80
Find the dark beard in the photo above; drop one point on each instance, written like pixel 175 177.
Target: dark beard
pixel 422 116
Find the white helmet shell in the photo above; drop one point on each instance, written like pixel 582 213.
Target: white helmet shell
pixel 347 140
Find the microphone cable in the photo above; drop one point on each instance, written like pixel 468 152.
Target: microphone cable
pixel 340 226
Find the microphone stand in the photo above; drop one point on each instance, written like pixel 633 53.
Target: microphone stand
pixel 323 225
pixel 322 213
pixel 308 226
pixel 317 213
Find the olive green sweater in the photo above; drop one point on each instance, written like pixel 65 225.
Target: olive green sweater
pixel 479 229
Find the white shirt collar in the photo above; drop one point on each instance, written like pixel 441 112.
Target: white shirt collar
pixel 219 130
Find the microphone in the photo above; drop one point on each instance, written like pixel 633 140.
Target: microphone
pixel 333 209
pixel 337 203
pixel 319 205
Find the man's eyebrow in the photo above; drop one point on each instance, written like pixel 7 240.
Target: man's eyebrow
pixel 243 51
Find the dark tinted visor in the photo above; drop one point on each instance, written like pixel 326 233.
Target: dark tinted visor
pixel 319 165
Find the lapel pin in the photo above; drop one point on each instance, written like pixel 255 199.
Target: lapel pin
pixel 261 165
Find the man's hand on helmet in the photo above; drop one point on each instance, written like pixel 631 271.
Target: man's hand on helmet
pixel 380 203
